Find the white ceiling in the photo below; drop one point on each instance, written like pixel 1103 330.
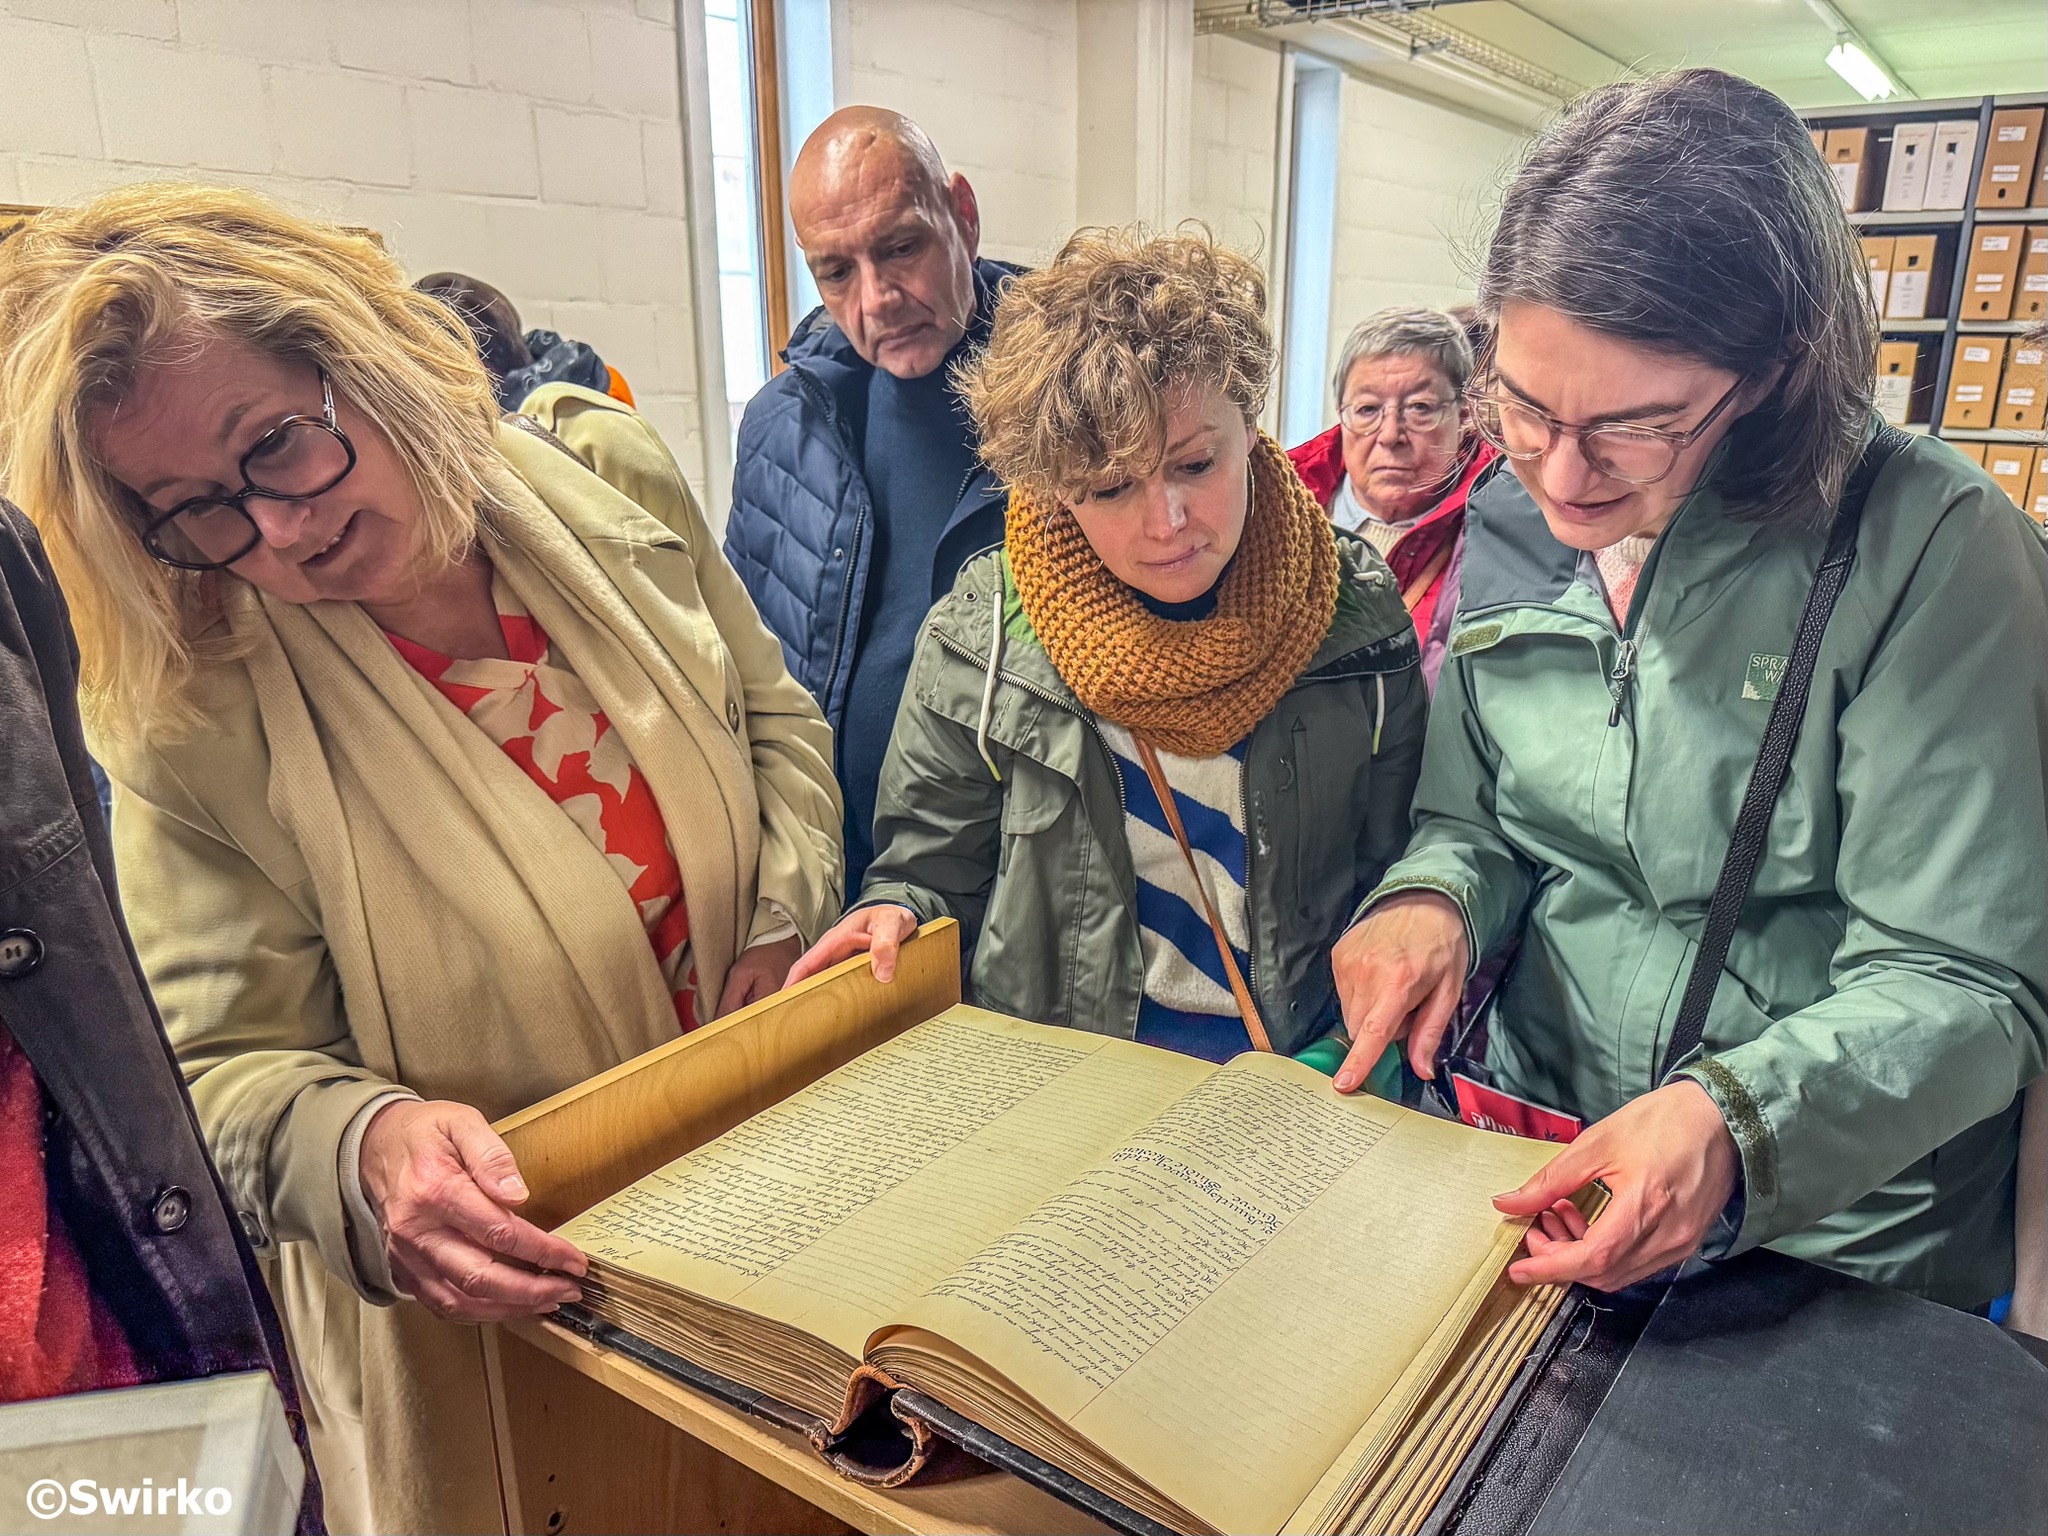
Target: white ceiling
pixel 1936 48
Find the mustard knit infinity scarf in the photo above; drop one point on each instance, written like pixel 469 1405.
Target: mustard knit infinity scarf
pixel 1196 687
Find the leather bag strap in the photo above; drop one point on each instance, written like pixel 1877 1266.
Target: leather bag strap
pixel 1418 588
pixel 1253 1024
pixel 1774 756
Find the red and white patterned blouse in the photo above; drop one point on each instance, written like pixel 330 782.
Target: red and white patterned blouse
pixel 548 723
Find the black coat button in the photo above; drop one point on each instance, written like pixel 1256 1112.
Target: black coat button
pixel 20 953
pixel 732 714
pixel 251 1228
pixel 171 1209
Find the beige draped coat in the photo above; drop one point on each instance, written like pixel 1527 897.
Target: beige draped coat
pixel 342 885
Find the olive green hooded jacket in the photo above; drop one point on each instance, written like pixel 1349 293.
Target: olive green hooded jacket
pixel 1886 994
pixel 1035 864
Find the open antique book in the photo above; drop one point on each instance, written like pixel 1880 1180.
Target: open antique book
pixel 1225 1296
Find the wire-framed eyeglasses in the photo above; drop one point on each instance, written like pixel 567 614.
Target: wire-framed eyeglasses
pixel 299 458
pixel 1420 416
pixel 1620 450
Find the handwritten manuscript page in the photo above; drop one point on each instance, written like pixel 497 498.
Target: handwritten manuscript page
pixel 831 1211
pixel 1225 1299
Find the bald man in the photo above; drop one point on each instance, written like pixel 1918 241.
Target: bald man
pixel 858 490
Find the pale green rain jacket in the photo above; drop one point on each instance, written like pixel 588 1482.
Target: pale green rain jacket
pixel 1886 994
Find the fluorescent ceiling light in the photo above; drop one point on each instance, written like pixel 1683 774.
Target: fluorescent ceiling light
pixel 1865 75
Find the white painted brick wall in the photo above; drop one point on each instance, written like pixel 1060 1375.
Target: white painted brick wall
pixel 994 83
pixel 534 143
pixel 1233 143
pixel 1416 192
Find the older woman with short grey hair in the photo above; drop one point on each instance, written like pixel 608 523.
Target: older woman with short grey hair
pixel 1398 465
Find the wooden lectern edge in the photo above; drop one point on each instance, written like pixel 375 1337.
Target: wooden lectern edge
pixel 588 1142
pixel 740 1018
pixel 985 1505
pixel 585 1144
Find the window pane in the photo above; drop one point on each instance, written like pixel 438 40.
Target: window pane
pixel 731 103
pixel 806 38
pixel 1305 402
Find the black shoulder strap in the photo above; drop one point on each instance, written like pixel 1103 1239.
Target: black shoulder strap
pixel 1774 756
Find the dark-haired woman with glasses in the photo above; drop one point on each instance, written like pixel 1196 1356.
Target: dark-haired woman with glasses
pixel 448 776
pixel 1680 384
pixel 1397 468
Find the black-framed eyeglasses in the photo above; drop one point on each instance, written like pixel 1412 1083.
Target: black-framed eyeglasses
pixel 1421 416
pixel 1620 450
pixel 299 458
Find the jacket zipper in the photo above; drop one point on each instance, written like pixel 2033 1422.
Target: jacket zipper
pixel 1251 852
pixel 965 481
pixel 1082 715
pixel 1251 973
pixel 1037 692
pixel 1624 669
pixel 860 519
pixel 1618 679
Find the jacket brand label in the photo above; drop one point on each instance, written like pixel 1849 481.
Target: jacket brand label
pixel 1477 638
pixel 1765 674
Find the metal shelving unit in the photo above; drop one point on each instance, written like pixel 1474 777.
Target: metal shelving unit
pixel 1984 435
pixel 1963 221
pixel 1912 218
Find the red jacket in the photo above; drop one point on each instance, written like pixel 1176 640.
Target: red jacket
pixel 1320 463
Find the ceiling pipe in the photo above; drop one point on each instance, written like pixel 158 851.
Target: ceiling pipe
pixel 1256 15
pixel 1406 30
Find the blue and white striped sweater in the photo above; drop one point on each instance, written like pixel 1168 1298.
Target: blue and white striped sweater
pixel 1187 1004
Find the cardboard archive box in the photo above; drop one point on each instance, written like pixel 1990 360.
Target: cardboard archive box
pixel 1974 452
pixel 1948 174
pixel 2012 467
pixel 1912 278
pixel 2009 158
pixel 1820 141
pixel 1898 363
pixel 1905 174
pixel 1993 272
pixel 2023 393
pixel 1877 256
pixel 2036 504
pixel 1849 161
pixel 2030 298
pixel 1973 383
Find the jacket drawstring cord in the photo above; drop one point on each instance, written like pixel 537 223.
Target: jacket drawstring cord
pixel 1379 718
pixel 988 687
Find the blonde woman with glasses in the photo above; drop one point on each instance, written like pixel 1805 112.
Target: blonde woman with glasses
pixel 448 775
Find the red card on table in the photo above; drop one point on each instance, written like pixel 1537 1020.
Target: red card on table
pixel 1492 1110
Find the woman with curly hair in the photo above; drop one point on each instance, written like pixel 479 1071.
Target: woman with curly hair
pixel 1155 749
pixel 448 774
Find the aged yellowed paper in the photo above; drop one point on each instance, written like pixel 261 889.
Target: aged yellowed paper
pixel 831 1211
pixel 1221 1303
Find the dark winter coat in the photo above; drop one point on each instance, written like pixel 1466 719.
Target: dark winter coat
pixel 122 1148
pixel 802 522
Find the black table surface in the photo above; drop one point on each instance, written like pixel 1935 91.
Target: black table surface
pixel 1768 1395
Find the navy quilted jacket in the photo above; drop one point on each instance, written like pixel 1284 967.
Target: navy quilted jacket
pixel 801 526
